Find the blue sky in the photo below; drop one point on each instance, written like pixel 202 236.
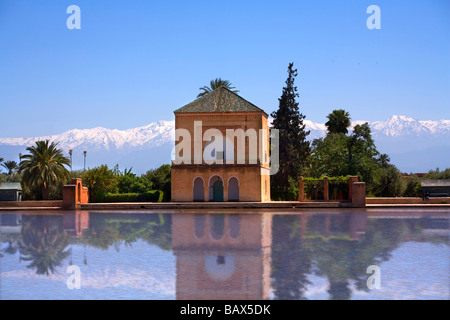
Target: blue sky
pixel 134 62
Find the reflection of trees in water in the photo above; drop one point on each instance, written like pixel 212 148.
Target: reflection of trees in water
pixel 43 240
pixel 12 244
pixel 341 259
pixel 335 256
pixel 43 243
pixel 291 259
pixel 106 230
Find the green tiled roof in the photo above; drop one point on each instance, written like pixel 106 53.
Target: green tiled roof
pixel 219 100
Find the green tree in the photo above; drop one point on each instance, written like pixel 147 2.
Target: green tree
pixel 216 84
pixel 100 180
pixel 44 166
pixel 389 182
pixel 11 166
pixel 338 121
pixel 413 187
pixel 329 156
pixel 437 174
pixel 160 179
pixel 339 154
pixel 361 153
pixel 384 160
pixel 128 182
pixel 293 146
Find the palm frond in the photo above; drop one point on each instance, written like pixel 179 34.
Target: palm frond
pixel 216 84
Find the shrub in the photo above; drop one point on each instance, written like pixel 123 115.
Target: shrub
pixel 160 180
pixel 130 183
pixel 149 196
pixel 100 180
pixel 290 195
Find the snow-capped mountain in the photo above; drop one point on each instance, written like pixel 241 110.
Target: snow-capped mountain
pixel 395 126
pixel 152 135
pixel 141 148
pixel 413 145
pixel 401 125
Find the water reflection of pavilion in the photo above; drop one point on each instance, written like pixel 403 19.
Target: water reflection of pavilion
pixel 222 256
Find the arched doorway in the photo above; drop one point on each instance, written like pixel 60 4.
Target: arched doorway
pixel 233 189
pixel 199 189
pixel 216 189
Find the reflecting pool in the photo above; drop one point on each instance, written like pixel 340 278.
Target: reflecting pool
pixel 301 254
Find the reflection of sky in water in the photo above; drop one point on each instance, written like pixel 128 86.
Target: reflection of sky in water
pixel 415 270
pixel 143 271
pixel 140 271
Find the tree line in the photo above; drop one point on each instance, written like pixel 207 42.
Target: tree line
pixel 339 153
pixel 45 169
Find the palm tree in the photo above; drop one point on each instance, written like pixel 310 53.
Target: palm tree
pixel 44 166
pixel 338 121
pixel 11 166
pixel 216 84
pixel 1 159
pixel 384 160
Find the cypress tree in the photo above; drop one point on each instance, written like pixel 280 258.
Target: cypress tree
pixel 293 147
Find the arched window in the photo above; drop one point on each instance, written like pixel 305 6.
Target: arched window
pixel 199 189
pixel 233 189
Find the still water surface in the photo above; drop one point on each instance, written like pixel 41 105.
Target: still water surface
pixel 320 254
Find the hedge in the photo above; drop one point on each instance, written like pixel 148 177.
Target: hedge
pixel 149 196
pixel 338 184
pixel 284 195
pixel 330 179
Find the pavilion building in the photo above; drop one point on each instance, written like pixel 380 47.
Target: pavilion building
pixel 221 151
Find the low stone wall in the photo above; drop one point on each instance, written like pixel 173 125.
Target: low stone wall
pixel 407 200
pixel 356 192
pixel 31 204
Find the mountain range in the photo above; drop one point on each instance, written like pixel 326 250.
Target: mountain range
pixel 413 145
